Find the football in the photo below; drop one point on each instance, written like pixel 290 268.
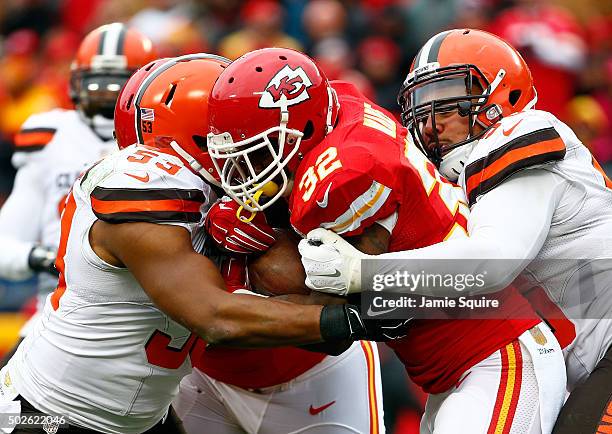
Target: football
pixel 279 271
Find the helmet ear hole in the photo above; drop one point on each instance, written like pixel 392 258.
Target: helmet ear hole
pixel 514 96
pixel 308 130
pixel 129 103
pixel 200 142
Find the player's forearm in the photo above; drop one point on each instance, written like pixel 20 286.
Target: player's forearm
pixel 20 223
pixel 507 228
pixel 491 267
pixel 250 321
pixel 203 305
pixel 14 256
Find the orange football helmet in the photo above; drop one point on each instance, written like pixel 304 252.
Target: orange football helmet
pixel 473 72
pixel 125 113
pixel 104 61
pixel 165 106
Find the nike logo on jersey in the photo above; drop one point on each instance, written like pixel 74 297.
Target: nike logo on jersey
pixel 509 131
pixel 140 178
pixel 316 410
pixel 323 203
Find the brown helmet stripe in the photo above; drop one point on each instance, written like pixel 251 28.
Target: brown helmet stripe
pixel 101 41
pixel 431 49
pixel 112 39
pixel 435 47
pixel 121 41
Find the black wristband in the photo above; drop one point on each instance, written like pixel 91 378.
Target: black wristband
pixel 334 326
pixel 341 322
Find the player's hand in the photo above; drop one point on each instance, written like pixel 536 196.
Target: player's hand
pixel 233 269
pixel 235 235
pixel 342 322
pixel 331 264
pixel 385 330
pixel 381 329
pixel 42 260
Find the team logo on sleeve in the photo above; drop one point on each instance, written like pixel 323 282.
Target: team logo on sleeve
pixel 287 87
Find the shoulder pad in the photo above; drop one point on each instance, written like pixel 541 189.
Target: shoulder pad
pixel 38 130
pixel 161 190
pixel 35 134
pixel 524 140
pixel 346 201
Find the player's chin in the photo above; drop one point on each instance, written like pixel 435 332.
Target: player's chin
pixel 287 191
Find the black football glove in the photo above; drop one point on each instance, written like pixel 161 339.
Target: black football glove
pixel 382 330
pixel 344 322
pixel 42 260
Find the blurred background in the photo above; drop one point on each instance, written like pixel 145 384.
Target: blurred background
pixel 567 44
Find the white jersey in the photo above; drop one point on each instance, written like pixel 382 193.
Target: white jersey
pixel 52 149
pixel 102 351
pixel 573 268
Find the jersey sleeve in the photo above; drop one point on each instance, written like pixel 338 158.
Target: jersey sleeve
pixel 20 222
pixel 158 191
pixel 522 141
pixel 35 134
pixel 346 201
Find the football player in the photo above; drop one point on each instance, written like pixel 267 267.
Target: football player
pixel 540 205
pixel 53 148
pixel 133 294
pixel 233 390
pixel 345 164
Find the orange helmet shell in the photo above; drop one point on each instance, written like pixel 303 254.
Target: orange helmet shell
pixel 171 109
pixel 489 54
pixel 106 57
pixel 114 46
pixel 125 113
pixel 472 72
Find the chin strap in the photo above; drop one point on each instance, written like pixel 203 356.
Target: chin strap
pixel 193 163
pixel 531 104
pixel 332 100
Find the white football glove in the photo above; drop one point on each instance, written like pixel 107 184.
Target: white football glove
pixel 332 265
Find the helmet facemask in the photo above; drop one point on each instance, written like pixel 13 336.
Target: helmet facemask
pixel 255 164
pixel 95 94
pixel 433 91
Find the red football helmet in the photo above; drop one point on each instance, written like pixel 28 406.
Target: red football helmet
pixel 167 108
pixel 266 111
pixel 105 59
pixel 472 72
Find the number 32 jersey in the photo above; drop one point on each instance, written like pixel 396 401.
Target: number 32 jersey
pixel 366 171
pixel 103 352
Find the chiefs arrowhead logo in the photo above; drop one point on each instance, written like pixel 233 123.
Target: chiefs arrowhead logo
pixel 287 87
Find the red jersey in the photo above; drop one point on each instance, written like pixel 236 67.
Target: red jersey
pixel 366 170
pixel 258 368
pixel 246 368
